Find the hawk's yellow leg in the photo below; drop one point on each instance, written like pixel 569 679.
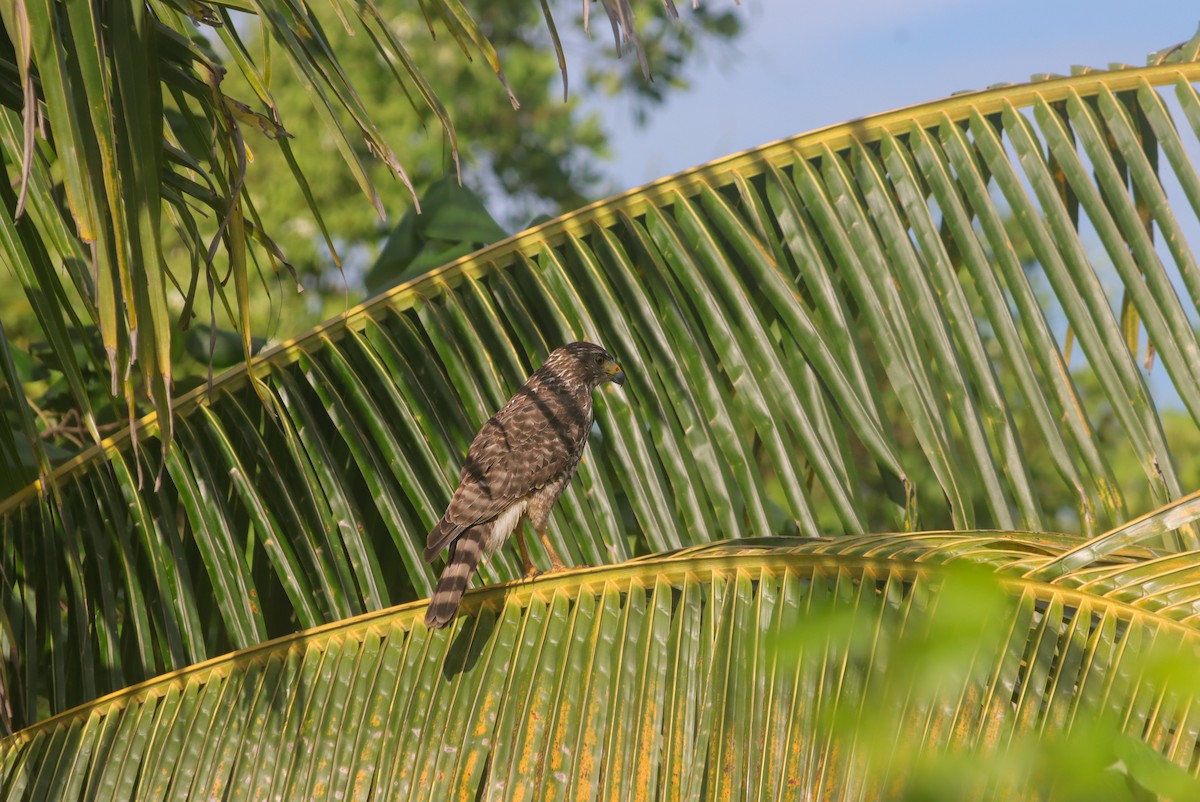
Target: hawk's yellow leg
pixel 531 570
pixel 526 564
pixel 556 564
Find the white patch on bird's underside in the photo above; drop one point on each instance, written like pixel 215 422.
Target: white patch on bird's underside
pixel 504 525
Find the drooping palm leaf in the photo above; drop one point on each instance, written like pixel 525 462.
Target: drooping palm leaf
pixel 742 670
pixel 123 140
pixel 835 334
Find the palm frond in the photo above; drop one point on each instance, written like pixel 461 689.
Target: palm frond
pixel 745 669
pixel 863 329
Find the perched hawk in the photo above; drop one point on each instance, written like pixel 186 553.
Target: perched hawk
pixel 517 466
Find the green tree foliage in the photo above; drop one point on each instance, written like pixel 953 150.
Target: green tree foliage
pixel 541 158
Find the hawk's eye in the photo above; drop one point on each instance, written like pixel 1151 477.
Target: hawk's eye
pixel 599 360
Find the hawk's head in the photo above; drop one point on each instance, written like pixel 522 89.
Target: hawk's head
pixel 585 363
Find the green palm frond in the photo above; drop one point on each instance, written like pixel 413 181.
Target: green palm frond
pixel 890 325
pixel 738 670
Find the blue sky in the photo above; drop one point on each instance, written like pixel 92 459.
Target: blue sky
pixel 803 64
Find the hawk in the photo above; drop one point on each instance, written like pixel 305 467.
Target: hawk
pixel 516 468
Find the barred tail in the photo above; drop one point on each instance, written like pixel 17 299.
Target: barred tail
pixel 465 552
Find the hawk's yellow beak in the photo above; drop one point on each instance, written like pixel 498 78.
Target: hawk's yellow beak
pixel 614 371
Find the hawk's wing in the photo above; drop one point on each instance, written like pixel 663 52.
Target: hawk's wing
pixel 535 438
